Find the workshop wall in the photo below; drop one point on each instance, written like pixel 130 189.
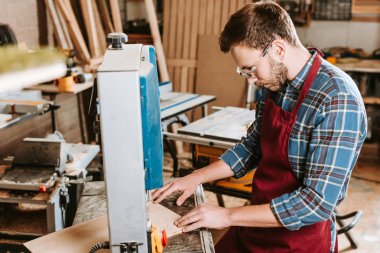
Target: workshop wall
pixel 323 34
pixel 22 17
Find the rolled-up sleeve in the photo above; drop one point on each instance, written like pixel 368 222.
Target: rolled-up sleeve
pixel 334 148
pixel 246 154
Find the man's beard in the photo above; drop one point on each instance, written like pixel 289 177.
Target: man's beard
pixel 278 75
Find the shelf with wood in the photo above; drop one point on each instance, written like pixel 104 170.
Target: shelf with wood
pixel 371 100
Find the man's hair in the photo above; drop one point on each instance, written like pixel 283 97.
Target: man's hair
pixel 256 24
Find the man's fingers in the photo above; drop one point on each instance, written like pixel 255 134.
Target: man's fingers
pixel 192 227
pixel 184 221
pixel 183 197
pixel 188 215
pixel 162 193
pixel 158 192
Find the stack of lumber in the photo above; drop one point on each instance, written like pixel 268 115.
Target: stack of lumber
pixel 98 18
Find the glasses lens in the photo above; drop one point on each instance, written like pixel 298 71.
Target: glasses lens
pixel 244 73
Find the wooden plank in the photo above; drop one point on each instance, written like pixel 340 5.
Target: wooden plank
pixel 153 24
pixel 225 15
pixel 24 102
pixel 75 33
pixel 78 238
pixel 183 81
pixel 371 100
pixel 64 27
pixel 58 30
pixel 210 16
pixel 206 17
pixel 182 62
pixel 202 17
pixel 366 7
pixel 241 3
pixel 180 28
pixel 166 18
pixel 89 22
pixel 217 17
pixel 164 219
pixel 115 10
pixel 191 81
pixel 194 29
pixel 173 26
pixel 219 78
pixel 81 237
pixel 177 79
pixel 104 12
pixel 233 7
pixel 171 72
pixel 99 28
pixel 186 36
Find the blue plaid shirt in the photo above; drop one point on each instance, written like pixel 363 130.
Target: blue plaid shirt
pixel 324 145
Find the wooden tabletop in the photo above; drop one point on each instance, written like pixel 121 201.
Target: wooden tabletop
pixel 52 88
pixel 93 204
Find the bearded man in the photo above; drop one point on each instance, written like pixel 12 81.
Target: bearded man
pixel 309 129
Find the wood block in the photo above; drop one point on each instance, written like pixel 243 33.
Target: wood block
pixel 81 237
pixel 163 218
pixel 78 238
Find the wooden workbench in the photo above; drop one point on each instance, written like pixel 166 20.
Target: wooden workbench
pixel 93 204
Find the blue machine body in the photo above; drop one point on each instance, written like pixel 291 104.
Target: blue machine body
pixel 151 123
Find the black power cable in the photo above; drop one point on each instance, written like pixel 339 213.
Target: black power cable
pixel 98 246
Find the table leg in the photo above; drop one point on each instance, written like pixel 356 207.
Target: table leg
pixel 82 119
pixel 52 97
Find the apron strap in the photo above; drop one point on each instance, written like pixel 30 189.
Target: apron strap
pixel 308 82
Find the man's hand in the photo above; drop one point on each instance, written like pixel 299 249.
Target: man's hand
pixel 206 216
pixel 186 185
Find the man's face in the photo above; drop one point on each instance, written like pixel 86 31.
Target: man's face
pixel 263 70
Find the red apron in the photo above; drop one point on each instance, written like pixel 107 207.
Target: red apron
pixel 273 178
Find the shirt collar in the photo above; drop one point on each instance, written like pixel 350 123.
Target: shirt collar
pixel 298 81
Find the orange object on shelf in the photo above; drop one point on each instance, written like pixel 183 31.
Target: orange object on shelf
pixel 66 83
pixel 331 59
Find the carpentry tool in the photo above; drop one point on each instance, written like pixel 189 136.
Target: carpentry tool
pixel 37 164
pixel 130 123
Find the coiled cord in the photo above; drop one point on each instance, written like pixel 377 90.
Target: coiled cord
pixel 98 246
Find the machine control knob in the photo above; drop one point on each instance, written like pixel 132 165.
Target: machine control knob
pixel 116 40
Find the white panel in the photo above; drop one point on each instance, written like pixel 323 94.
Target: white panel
pixel 126 59
pixel 121 128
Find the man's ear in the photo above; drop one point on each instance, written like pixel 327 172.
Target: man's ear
pixel 279 49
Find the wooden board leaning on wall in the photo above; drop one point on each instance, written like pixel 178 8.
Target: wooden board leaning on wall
pixel 184 21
